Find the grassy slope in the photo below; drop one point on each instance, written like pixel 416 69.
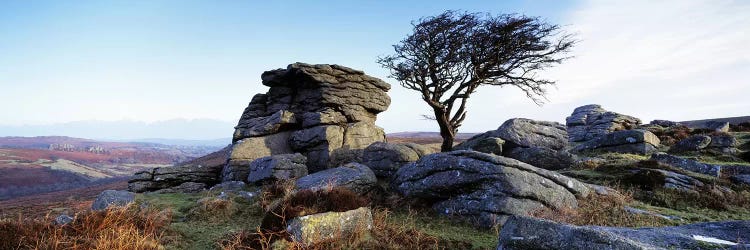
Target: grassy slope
pixel 196 227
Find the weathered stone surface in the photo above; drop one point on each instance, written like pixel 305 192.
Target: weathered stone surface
pixel 186 187
pixel 112 198
pixel 721 127
pixel 591 121
pixel 247 150
pixel 543 157
pixel 318 144
pixel 691 144
pixel 325 112
pixel 324 117
pixel 281 120
pixel 634 141
pixel 531 233
pixel 485 187
pixel 687 164
pixel 385 158
pixel 521 132
pixel 353 176
pixel 314 228
pixel 277 167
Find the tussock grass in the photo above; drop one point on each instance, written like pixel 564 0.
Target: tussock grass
pixel 602 210
pixel 115 228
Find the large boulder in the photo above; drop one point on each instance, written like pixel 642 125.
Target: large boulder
pixel 353 176
pixel 385 158
pixel 539 143
pixel 592 121
pixel 325 112
pixel 314 228
pixel 545 158
pixel 634 141
pixel 665 123
pixel 521 132
pixel 531 233
pixel 277 167
pixel 112 198
pixel 485 188
pixel 693 143
pixel 687 164
pixel 518 132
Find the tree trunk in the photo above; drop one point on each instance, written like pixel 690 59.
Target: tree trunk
pixel 446 130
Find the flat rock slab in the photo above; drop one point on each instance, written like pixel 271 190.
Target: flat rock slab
pixel 687 164
pixel 531 233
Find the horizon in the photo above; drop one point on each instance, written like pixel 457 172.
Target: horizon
pixel 153 62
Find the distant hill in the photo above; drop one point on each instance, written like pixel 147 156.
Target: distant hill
pixel 731 120
pixel 33 165
pixel 182 129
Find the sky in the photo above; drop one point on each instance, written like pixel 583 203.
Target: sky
pixel 155 61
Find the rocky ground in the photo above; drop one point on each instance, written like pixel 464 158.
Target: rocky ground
pixel 308 169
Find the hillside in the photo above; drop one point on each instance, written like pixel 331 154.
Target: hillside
pixel 730 120
pixel 33 165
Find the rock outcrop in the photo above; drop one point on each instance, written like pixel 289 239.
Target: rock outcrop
pixel 485 188
pixel 665 123
pixel 277 167
pixel 325 112
pixel 112 198
pixel 634 141
pixel 539 143
pixel 687 164
pixel 385 158
pixel 353 176
pixel 531 233
pixel 592 121
pixel 174 176
pixel 206 170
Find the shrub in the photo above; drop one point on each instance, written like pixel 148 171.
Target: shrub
pixel 115 228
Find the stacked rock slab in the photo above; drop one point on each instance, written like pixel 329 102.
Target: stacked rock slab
pixel 325 112
pixel 591 121
pixel 486 188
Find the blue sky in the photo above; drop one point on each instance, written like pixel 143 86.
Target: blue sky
pixel 63 61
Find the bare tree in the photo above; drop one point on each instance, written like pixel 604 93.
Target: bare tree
pixel 448 56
